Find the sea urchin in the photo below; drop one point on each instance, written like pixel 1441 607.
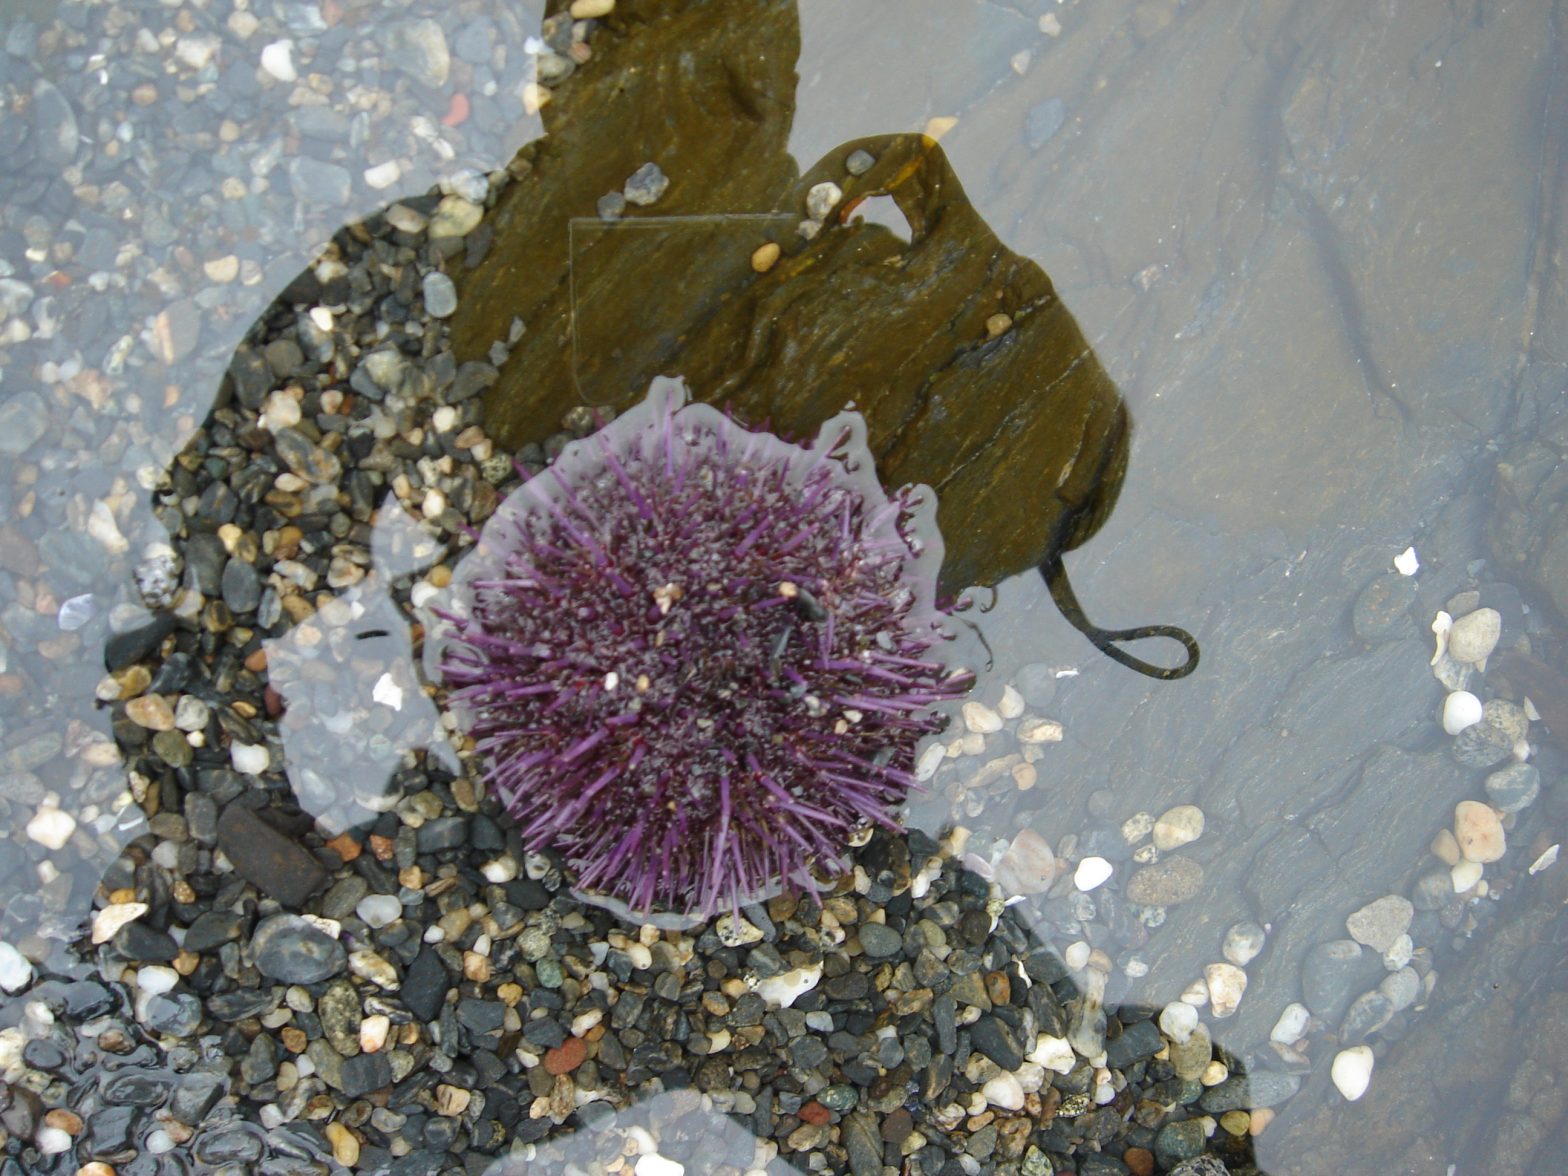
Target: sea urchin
pixel 696 657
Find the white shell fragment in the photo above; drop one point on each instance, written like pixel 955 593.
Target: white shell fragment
pixel 1441 624
pixel 1546 860
pixel 1461 709
pixel 1352 1071
pixel 1406 563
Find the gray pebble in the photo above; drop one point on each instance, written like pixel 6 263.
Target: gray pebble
pixel 1043 121
pixel 645 185
pixel 859 162
pixel 290 949
pixel 879 940
pixel 440 295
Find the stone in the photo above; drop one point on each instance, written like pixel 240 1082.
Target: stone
pixel 1475 635
pixel 1177 827
pixel 1352 1071
pixel 1380 923
pixel 294 950
pixel 1177 1020
pixel 1091 873
pixel 276 865
pixel 1166 883
pixel 1226 983
pixel 440 295
pixel 1291 1025
pixel 645 185
pixel 1028 866
pixel 1479 832
pixel 1514 788
pixel 16 971
pixel 1461 709
pixel 1242 943
pixel 24 419
pixel 995 1039
pixel 1331 975
pixel 879 940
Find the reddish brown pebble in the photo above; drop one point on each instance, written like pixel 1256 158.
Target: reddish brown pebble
pixel 815 1113
pixel 1139 1161
pixel 566 1057
pixel 345 847
pixel 257 660
pixel 382 847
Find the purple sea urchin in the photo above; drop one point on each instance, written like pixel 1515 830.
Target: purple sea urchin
pixel 695 657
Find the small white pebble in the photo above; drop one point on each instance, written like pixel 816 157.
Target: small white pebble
pixel 981 719
pixel 51 827
pixel 278 60
pixel 379 910
pixel 654 1164
pixel 111 918
pixel 1352 1071
pixel 1053 1053
pixel 822 199
pixel 249 759
pixel 1406 563
pixel 1291 1025
pixel 16 971
pixel 1091 872
pixel 156 979
pixel 1461 709
pixel 1178 1020
pixel 373 1032
pixel 383 175
pixel 157 1142
pixel 1004 1091
pixel 500 871
pixel 1077 954
pixel 52 1141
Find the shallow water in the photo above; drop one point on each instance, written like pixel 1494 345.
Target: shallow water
pixel 1317 248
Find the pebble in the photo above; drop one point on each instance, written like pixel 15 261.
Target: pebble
pixel 1226 984
pixel 440 295
pixel 653 1164
pixel 1466 876
pixel 879 941
pixel 860 161
pixel 1242 943
pixel 111 918
pixel 16 971
pixel 277 59
pixel 1037 731
pixel 373 1032
pixel 1291 1026
pixel 51 827
pixel 1004 1091
pixel 821 199
pixel 1177 827
pixel 1177 1021
pixel 294 950
pixel 1028 866
pixel 344 1143
pixel 592 9
pixel 249 759
pixel 1475 635
pixel 1166 883
pixel 765 257
pixel 645 185
pixel 980 718
pixel 1479 832
pixel 379 910
pixel 1091 872
pixel 1352 1071
pixel 1380 923
pixel 1461 709
pixel 455 217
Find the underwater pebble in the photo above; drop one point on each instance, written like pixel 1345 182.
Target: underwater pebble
pixel 277 59
pixel 51 827
pixel 1379 924
pixel 1004 1091
pixel 1226 984
pixel 653 1164
pixel 1177 827
pixel 1475 635
pixel 1177 1021
pixel 1461 709
pixel 784 990
pixel 1091 872
pixel 1291 1025
pixel 1352 1071
pixel 1053 1053
pixel 16 971
pixel 821 200
pixel 379 910
pixel 1242 943
pixel 1479 832
pixel 1028 866
pixel 981 719
pixel 1465 876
